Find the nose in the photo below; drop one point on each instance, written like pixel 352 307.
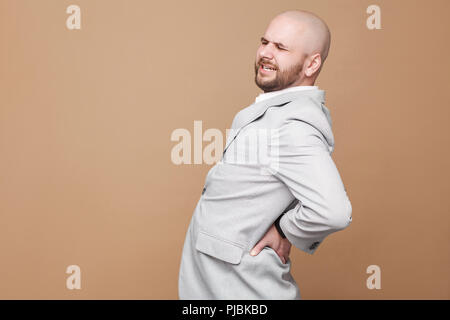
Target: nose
pixel 265 52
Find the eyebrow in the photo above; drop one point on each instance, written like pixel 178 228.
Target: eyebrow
pixel 277 43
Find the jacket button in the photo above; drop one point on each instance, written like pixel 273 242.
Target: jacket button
pixel 204 189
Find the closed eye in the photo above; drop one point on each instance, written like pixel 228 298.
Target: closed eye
pixel 279 45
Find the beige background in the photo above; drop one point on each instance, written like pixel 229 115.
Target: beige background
pixel 86 116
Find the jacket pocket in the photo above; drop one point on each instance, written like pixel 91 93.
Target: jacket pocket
pixel 276 256
pixel 219 248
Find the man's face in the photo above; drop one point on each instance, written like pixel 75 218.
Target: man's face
pixel 279 58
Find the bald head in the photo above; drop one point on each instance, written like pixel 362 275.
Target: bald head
pixel 310 32
pixel 292 51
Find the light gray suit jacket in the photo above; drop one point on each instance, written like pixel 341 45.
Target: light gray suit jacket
pixel 241 199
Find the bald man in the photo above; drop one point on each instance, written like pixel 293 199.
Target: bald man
pixel 250 213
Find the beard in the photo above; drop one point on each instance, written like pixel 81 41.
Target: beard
pixel 283 78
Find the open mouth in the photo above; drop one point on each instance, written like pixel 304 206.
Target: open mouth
pixel 266 68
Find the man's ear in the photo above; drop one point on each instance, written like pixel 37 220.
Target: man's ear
pixel 312 64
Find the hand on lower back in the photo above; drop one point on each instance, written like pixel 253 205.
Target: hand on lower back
pixel 273 240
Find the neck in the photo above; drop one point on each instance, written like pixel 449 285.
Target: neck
pixel 303 82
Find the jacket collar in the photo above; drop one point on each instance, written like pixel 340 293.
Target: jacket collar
pixel 254 111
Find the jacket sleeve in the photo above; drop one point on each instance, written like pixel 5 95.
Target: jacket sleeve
pixel 302 161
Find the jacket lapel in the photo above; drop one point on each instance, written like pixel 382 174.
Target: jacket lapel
pixel 254 111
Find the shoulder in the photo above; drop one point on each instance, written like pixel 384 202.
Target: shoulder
pixel 304 120
pixel 300 132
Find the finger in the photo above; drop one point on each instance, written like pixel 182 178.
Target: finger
pixel 257 249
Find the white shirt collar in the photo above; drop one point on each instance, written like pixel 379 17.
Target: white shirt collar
pixel 266 95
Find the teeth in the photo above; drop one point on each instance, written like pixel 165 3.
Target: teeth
pixel 267 68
